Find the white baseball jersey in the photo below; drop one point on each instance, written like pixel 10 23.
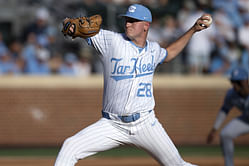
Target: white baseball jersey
pixel 128 72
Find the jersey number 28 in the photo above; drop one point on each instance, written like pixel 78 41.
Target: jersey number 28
pixel 144 90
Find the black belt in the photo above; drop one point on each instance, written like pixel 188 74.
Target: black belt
pixel 125 119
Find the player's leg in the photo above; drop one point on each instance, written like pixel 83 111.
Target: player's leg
pixel 153 138
pixel 97 137
pixel 232 130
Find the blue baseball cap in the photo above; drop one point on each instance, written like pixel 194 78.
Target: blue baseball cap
pixel 138 12
pixel 239 74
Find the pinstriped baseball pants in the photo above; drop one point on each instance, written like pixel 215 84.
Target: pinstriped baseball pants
pixel 146 133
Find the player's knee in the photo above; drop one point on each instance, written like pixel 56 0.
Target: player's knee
pixel 68 142
pixel 226 134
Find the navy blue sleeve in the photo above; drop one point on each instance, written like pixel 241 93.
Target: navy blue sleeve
pixel 227 104
pixel 247 104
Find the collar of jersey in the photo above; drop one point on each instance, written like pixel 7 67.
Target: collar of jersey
pixel 140 49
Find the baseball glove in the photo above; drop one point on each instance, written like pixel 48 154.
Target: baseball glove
pixel 83 27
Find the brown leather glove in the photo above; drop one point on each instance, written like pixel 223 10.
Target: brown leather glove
pixel 83 27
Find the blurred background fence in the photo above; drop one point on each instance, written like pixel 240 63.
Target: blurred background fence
pixel 43 111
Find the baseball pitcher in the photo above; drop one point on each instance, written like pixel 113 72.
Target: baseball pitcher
pixel 129 62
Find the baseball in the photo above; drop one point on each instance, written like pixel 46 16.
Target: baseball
pixel 207 19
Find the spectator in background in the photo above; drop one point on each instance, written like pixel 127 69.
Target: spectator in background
pixel 227 52
pixel 52 42
pixel 93 58
pixel 244 5
pixel 43 46
pixel 200 46
pixel 42 57
pixel 88 8
pixel 233 56
pixel 231 8
pixel 223 48
pixel 83 66
pixel 219 63
pixel 39 26
pixel 186 10
pixel 68 66
pixel 224 25
pixel 225 57
pixel 7 64
pixel 155 31
pixel 15 49
pixel 243 37
pixel 3 46
pixel 55 62
pixel 36 57
pixel 170 31
pixel 29 51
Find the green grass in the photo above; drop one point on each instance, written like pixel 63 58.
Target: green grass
pixel 201 150
pixel 28 151
pixel 240 151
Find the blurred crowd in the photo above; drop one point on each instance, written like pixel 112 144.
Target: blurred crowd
pixel 39 48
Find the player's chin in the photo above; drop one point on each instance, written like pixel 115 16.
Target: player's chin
pixel 129 35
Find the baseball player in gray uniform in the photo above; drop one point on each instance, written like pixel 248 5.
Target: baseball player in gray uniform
pixel 128 116
pixel 237 96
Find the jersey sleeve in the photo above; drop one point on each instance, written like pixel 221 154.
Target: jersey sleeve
pixel 227 104
pixel 247 104
pixel 247 107
pixel 221 116
pixel 162 52
pixel 102 41
pixel 163 55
